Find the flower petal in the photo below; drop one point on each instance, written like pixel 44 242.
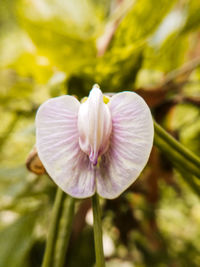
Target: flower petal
pixel 130 144
pixel 58 146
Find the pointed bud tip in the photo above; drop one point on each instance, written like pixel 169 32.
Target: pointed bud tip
pixel 95 92
pixel 96 86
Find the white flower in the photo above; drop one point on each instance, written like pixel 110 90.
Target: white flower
pixel 93 146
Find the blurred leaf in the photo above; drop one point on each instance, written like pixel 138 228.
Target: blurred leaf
pixel 170 55
pixel 15 182
pixel 62 28
pixel 141 21
pixel 16 241
pixel 193 16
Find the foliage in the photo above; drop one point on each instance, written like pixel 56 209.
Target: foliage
pixel 49 48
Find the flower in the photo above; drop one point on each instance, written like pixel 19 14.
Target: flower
pixel 94 146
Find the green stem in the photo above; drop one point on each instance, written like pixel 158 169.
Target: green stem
pixel 64 232
pixel 186 153
pixel 184 167
pixel 100 262
pixel 47 260
pixel 190 181
pixel 177 159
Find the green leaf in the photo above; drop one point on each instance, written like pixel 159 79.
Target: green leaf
pixel 141 21
pixel 16 241
pixel 63 29
pixel 193 16
pixel 170 55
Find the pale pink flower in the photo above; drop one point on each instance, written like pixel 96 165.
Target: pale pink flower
pixel 92 146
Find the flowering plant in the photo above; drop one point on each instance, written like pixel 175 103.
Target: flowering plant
pixel 99 145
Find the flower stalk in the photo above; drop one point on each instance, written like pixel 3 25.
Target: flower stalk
pixel 50 244
pixel 186 153
pixel 100 261
pixel 180 156
pixel 190 181
pixel 64 231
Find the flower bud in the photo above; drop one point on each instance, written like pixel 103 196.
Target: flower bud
pixel 94 125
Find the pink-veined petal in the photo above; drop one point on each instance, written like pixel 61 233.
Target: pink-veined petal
pixel 58 146
pixel 130 144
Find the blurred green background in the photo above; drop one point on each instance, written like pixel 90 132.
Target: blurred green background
pixel 53 47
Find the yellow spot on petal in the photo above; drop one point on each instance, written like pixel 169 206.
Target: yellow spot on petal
pixel 106 99
pixel 84 99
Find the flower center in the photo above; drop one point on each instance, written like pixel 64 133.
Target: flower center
pixel 94 125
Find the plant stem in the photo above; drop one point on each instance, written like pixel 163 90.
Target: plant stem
pixel 191 181
pixel 186 153
pixel 177 159
pixel 65 227
pixel 100 262
pixel 47 260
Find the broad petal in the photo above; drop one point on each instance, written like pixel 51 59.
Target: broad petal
pixel 58 147
pixel 130 144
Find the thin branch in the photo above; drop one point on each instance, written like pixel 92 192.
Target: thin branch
pixel 50 245
pixel 100 261
pixel 64 231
